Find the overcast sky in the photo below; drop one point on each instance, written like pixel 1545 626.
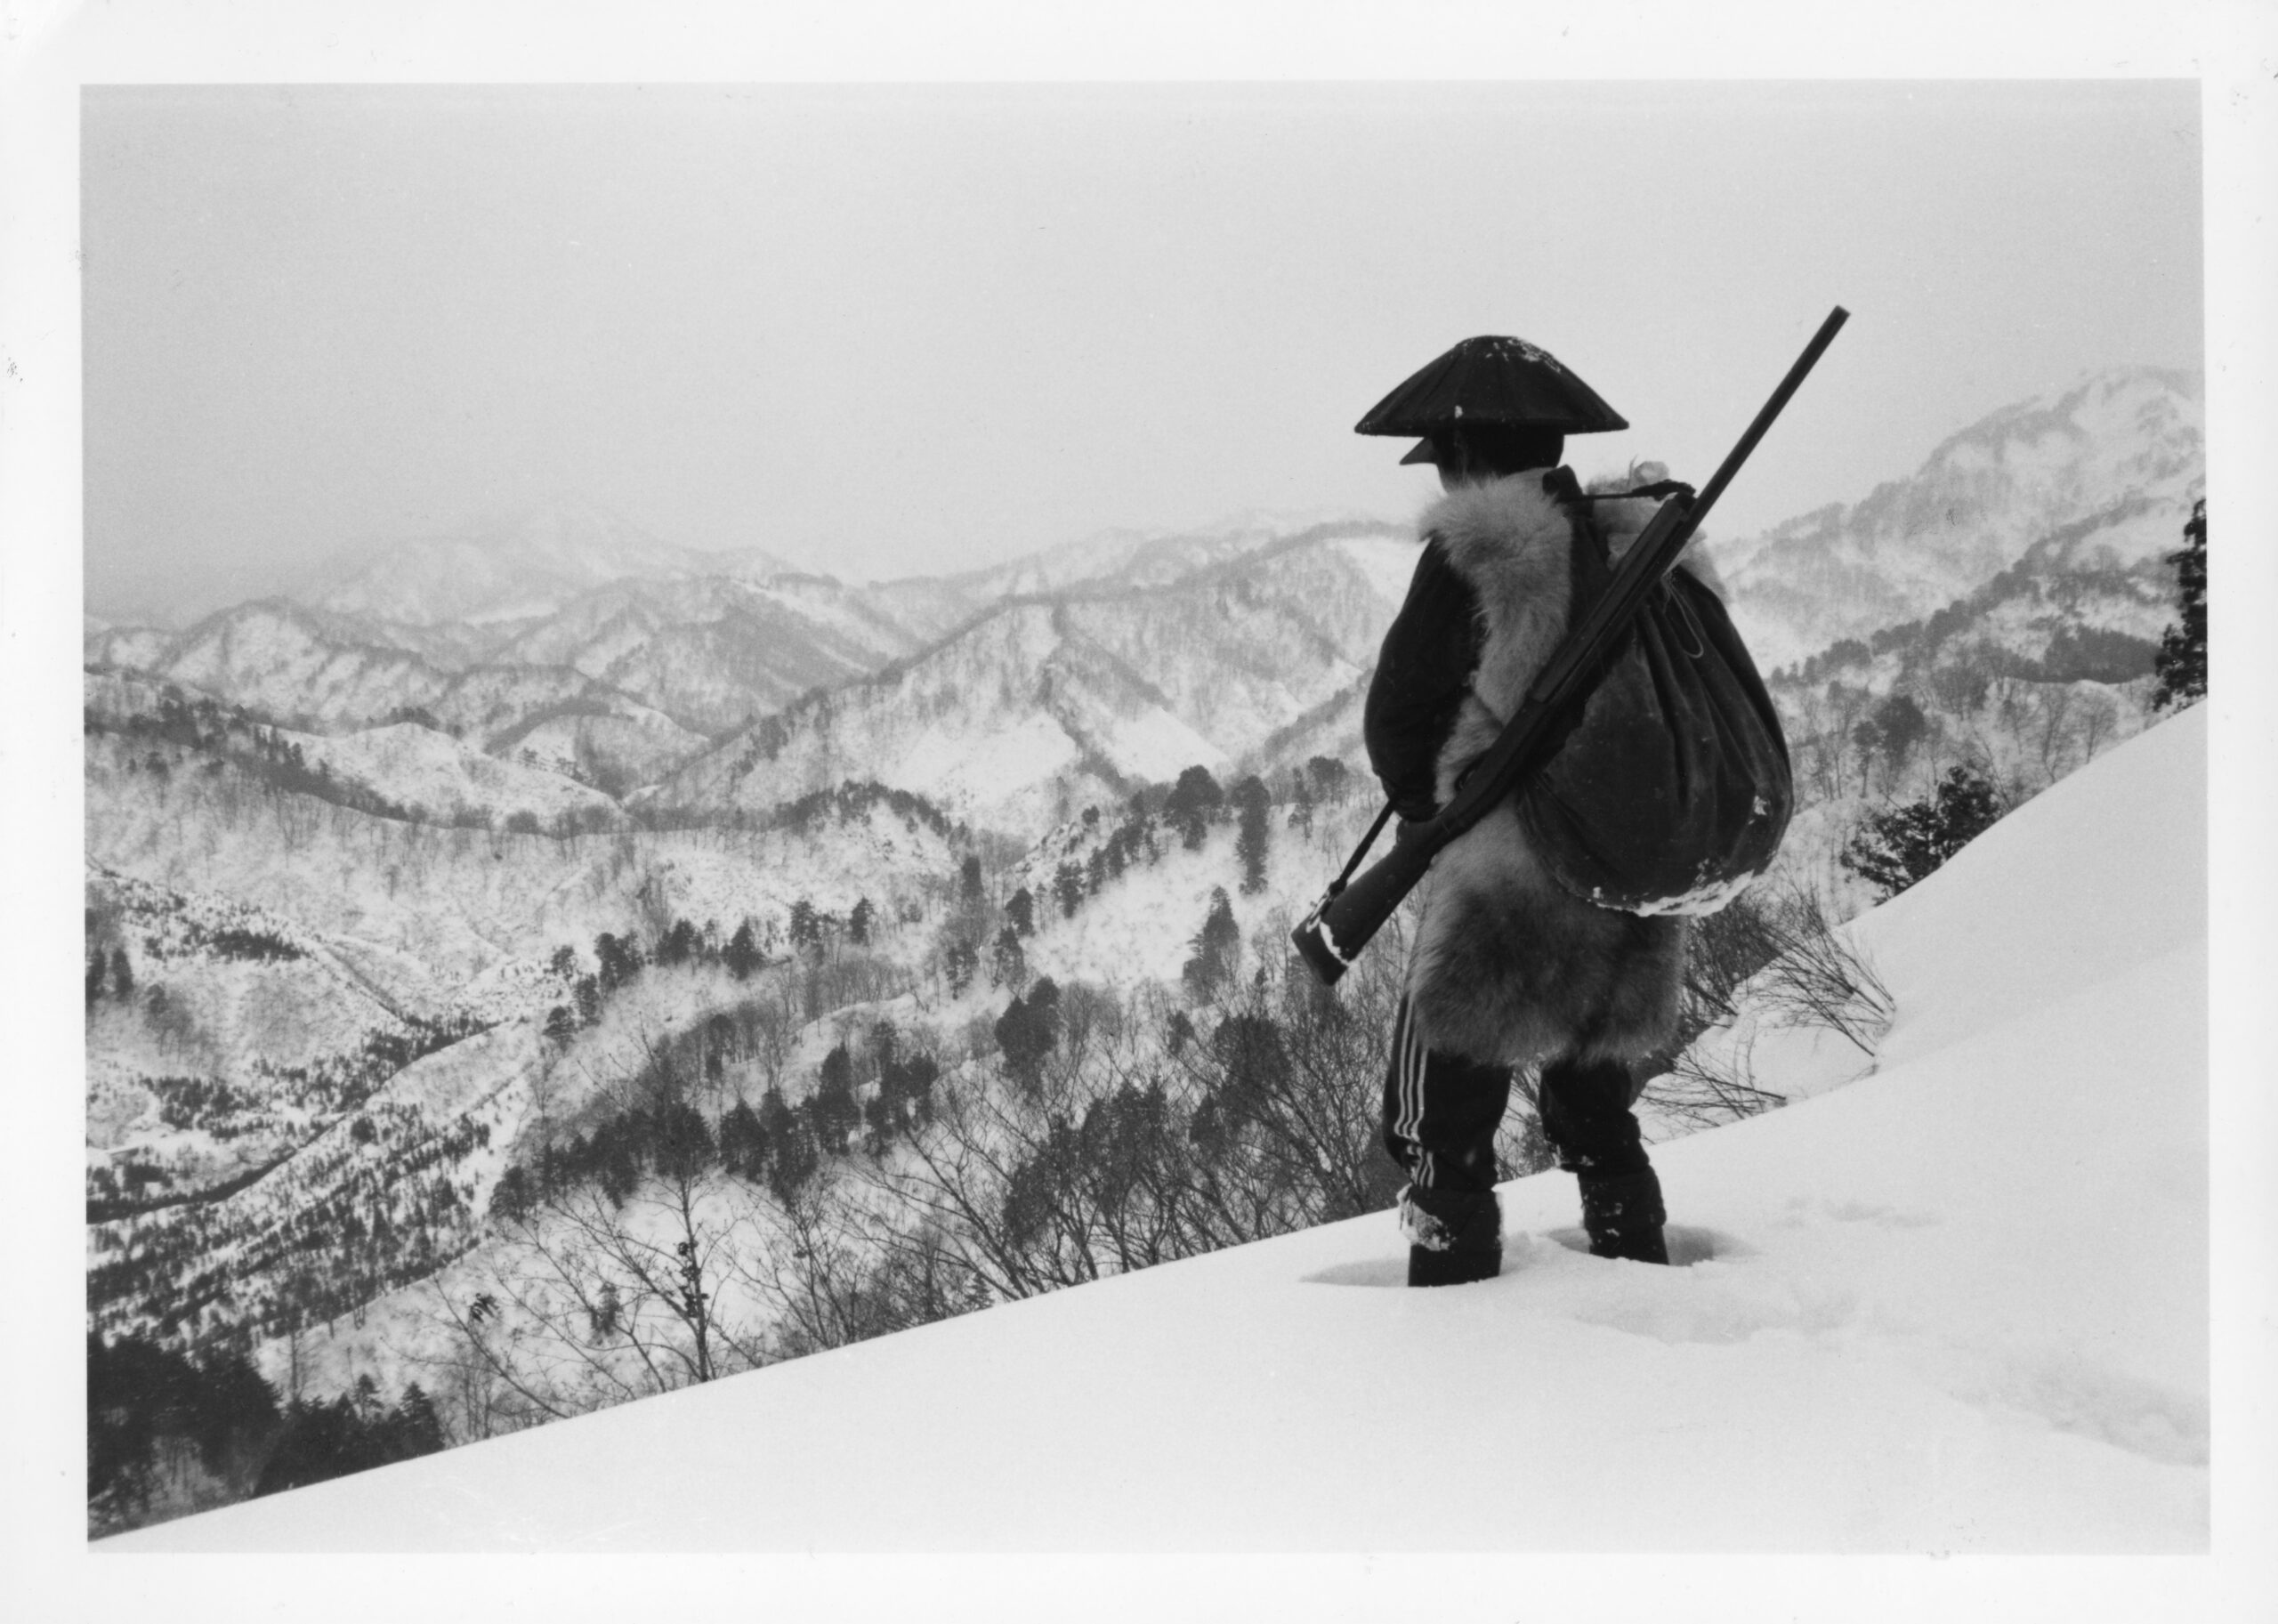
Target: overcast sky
pixel 898 329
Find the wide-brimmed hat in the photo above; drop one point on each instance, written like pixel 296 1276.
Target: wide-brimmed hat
pixel 1490 379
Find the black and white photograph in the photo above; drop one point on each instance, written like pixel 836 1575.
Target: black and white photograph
pixel 1466 821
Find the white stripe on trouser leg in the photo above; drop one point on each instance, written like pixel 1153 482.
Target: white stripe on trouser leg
pixel 1409 1125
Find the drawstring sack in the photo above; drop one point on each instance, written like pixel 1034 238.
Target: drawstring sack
pixel 1672 791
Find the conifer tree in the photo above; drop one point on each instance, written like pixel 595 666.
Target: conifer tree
pixel 2181 663
pixel 1895 849
pixel 1068 887
pixel 1193 801
pixel 683 1145
pixel 616 959
pixel 743 1142
pixel 1008 964
pixel 742 956
pixel 834 1107
pixel 418 1429
pixel 960 960
pixel 1301 800
pixel 1029 1028
pixel 1252 805
pixel 1217 948
pixel 678 944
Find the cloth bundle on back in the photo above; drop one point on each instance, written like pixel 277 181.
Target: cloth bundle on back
pixel 1554 929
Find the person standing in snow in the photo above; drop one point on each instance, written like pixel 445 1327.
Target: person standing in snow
pixel 1509 969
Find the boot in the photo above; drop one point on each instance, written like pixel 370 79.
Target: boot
pixel 1623 1214
pixel 1455 1236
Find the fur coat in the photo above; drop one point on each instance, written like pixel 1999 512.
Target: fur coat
pixel 1508 967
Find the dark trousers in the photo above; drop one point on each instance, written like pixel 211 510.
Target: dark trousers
pixel 1442 1111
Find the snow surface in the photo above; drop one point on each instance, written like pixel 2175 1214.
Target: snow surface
pixel 436 774
pixel 1959 1306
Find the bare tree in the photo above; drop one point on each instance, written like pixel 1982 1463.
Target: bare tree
pixel 2056 729
pixel 2099 720
pixel 1704 1089
pixel 603 1288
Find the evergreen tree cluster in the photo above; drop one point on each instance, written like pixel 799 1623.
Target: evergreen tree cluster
pixel 355 1220
pixel 1189 808
pixel 2181 663
pixel 1893 850
pixel 1192 806
pixel 143 1398
pixel 353 1433
pixel 109 975
pixel 228 733
pixel 166 1434
pixel 1215 953
pixel 878 1093
pixel 851 800
pixel 1029 1030
pixel 618 960
pixel 2075 653
pixel 265 947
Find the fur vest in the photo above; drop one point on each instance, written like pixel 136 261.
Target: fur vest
pixel 1508 967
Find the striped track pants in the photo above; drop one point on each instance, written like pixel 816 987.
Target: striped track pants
pixel 1440 1112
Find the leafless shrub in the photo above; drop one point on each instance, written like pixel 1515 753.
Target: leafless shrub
pixel 1705 1090
pixel 1775 955
pixel 838 1272
pixel 1818 978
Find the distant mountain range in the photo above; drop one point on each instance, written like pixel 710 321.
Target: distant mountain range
pixel 704 684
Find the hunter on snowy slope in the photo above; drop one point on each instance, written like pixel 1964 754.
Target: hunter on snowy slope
pixel 1510 969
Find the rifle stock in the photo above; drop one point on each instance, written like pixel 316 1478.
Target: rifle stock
pixel 1347 916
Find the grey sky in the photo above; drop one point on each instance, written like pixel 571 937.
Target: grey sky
pixel 892 329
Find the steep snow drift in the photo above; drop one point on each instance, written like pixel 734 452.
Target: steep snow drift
pixel 1960 1305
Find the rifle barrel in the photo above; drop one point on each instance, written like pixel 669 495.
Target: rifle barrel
pixel 1772 407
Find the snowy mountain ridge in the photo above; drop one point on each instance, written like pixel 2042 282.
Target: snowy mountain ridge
pixel 527 567
pixel 710 685
pixel 2113 462
pixel 1045 703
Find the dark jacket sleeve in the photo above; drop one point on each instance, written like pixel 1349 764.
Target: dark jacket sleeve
pixel 1422 675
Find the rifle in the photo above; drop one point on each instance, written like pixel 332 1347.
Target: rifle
pixel 1351 911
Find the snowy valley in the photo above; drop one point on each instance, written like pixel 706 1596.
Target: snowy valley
pixel 1958 1306
pixel 566 969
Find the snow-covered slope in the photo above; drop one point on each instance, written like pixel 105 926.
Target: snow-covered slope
pixel 439 776
pixel 1960 1306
